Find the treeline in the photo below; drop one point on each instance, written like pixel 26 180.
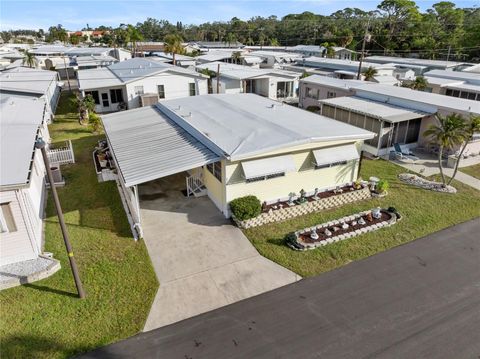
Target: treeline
pixel 396 27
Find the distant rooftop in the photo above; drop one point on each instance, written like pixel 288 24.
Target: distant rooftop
pixel 26 80
pixel 414 61
pixel 333 82
pixel 471 77
pixel 339 64
pixel 240 72
pixel 20 120
pixel 245 125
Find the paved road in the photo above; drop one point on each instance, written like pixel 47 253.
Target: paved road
pixel 420 300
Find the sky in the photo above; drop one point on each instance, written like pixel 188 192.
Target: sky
pixel 75 14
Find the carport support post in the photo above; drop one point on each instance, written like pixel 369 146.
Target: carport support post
pixel 137 201
pixel 40 144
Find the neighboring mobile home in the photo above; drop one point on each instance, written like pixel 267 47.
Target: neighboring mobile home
pixel 272 83
pixel 231 146
pixel 454 83
pixel 22 178
pixel 137 82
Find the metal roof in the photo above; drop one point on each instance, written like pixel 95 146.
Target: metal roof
pixel 240 72
pixel 19 123
pixel 332 82
pixel 414 61
pixel 148 145
pixel 27 80
pixel 379 110
pixel 245 125
pixel 339 64
pixel 442 82
pixel 409 98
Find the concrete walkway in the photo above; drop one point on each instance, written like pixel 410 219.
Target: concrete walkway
pixel 428 166
pixel 418 300
pixel 201 260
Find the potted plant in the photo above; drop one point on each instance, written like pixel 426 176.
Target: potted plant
pixel 102 159
pixel 381 188
pixel 302 198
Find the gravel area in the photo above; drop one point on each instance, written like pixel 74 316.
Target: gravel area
pixel 27 271
pixel 423 183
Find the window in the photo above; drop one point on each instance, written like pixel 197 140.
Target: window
pixel 263 178
pixel 216 170
pixel 449 92
pixel 116 95
pixel 328 165
pixel 161 91
pixel 7 223
pixel 284 89
pixel 95 96
pixel 463 94
pixel 311 93
pixel 413 130
pixel 471 96
pixel 191 89
pixel 138 90
pixel 331 94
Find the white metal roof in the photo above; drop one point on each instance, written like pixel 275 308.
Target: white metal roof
pixel 329 155
pixel 465 86
pixel 442 82
pixel 268 166
pixel 279 56
pixel 148 145
pixel 332 82
pixel 241 72
pixel 19 122
pixel 245 125
pixel 412 99
pixel 27 80
pixel 380 110
pixel 97 78
pixel 413 61
pixel 339 64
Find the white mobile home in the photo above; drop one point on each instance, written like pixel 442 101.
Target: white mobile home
pixel 139 81
pixel 271 83
pixel 454 83
pixel 232 146
pixel 22 178
pixel 27 82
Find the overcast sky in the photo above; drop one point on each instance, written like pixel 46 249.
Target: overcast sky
pixel 75 14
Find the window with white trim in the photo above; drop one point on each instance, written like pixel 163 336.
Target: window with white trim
pixel 7 222
pixel 161 91
pixel 266 177
pixel 191 88
pixel 216 170
pixel 328 165
pixel 138 90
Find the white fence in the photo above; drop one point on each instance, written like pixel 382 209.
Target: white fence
pixel 62 155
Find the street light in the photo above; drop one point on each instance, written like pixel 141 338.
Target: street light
pixel 40 144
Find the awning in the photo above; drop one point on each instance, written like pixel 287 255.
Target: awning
pixel 268 166
pixel 324 156
pixel 147 145
pixel 252 59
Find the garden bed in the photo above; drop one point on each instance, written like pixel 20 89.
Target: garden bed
pixel 316 203
pixel 343 228
pixel 417 181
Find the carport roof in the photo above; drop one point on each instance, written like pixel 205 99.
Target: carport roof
pixel 152 146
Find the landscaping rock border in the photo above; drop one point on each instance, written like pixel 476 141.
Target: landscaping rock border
pixel 301 209
pixel 296 245
pixel 425 184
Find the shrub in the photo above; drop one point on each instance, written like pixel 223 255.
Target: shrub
pixel 246 207
pixel 382 186
pixel 290 238
pixel 94 121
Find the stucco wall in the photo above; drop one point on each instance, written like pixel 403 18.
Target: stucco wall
pixel 323 90
pixel 216 190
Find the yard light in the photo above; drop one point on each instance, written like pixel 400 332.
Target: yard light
pixel 40 144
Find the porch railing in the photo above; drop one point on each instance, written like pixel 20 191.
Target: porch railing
pixel 63 155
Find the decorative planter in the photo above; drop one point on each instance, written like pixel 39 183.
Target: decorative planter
pixel 288 212
pixel 417 181
pixel 343 228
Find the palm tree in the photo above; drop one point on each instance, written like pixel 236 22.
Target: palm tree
pixel 328 49
pixel 173 45
pixel 448 132
pixel 230 39
pixel 369 73
pixel 29 59
pixel 134 36
pixel 470 128
pixel 236 57
pixel 420 84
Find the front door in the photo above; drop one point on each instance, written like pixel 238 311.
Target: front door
pixel 105 101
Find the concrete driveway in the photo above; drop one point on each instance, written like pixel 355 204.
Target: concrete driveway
pixel 201 260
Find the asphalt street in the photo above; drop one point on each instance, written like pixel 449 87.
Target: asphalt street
pixel 419 300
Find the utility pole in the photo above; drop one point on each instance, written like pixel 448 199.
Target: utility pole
pixel 218 78
pixel 363 50
pixel 66 72
pixel 40 144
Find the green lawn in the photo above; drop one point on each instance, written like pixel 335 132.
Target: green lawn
pixel 45 319
pixel 424 212
pixel 473 171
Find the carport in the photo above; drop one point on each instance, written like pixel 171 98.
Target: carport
pixel 149 148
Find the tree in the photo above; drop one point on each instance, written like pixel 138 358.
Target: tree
pixel 369 73
pixel 449 131
pixel 173 45
pixel 134 36
pixel 74 39
pixel 420 83
pixel 29 59
pixel 236 57
pixel 85 106
pixel 230 39
pixel 328 52
pixel 470 128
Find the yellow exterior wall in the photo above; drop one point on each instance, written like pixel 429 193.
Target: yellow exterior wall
pixel 306 177
pixel 216 189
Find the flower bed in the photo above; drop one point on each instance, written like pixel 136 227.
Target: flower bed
pixel 425 184
pixel 343 228
pixel 321 201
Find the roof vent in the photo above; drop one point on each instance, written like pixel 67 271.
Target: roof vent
pixel 131 71
pixel 178 108
pixel 272 105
